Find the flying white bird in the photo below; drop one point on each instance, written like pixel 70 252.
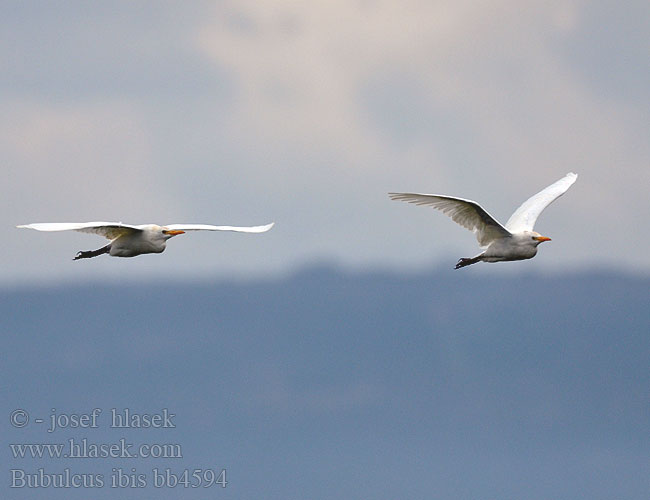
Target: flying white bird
pixel 515 241
pixel 129 241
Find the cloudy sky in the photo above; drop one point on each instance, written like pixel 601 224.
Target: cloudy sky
pixel 306 113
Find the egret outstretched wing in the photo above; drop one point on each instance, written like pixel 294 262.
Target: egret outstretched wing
pixel 525 216
pixel 208 227
pixel 467 213
pixel 110 230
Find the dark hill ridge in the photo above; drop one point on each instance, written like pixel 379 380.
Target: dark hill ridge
pixel 440 385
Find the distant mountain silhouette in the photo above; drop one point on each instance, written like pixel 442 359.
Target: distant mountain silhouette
pixel 334 384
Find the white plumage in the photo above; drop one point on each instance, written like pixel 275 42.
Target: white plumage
pixel 128 240
pixel 514 241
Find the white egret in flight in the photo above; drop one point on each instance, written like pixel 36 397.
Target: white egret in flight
pixel 129 241
pixel 514 241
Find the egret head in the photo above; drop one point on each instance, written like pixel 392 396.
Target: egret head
pixel 169 233
pixel 538 238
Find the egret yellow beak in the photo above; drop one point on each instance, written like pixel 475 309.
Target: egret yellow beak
pixel 542 238
pixel 174 232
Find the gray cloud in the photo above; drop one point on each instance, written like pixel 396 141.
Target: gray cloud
pixel 307 114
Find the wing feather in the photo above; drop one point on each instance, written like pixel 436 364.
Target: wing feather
pixel 526 215
pixel 208 227
pixel 467 213
pixel 110 230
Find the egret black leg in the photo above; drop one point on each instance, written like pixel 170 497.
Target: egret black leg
pixel 467 262
pixel 92 253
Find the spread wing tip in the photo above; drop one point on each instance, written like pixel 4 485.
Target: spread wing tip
pixel 410 197
pixel 263 229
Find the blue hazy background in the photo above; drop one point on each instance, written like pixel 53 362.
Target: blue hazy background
pixel 333 384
